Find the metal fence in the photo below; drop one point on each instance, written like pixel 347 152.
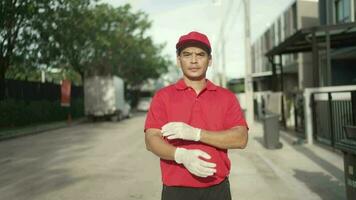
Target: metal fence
pixel 331 111
pixel 33 91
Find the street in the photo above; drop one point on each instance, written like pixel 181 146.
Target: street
pixel 103 160
pixel 107 161
pixel 73 72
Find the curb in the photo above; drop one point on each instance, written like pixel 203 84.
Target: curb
pixel 27 131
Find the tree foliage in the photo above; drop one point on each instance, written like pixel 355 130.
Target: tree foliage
pixel 101 39
pixel 78 35
pixel 17 35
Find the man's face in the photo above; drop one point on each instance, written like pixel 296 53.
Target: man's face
pixel 194 62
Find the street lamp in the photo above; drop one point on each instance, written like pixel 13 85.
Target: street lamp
pixel 248 68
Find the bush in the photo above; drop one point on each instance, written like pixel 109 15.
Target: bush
pixel 17 113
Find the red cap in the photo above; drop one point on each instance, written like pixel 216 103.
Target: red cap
pixel 194 37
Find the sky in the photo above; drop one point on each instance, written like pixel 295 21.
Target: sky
pixel 218 19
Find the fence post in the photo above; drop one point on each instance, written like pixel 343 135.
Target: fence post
pixel 308 115
pixel 295 113
pixel 312 103
pixel 332 134
pixel 353 106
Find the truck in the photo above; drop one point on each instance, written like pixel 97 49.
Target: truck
pixel 104 97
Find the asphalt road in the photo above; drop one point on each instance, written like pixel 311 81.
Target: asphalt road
pixel 108 160
pixel 103 160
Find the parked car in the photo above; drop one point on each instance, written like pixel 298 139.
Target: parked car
pixel 144 104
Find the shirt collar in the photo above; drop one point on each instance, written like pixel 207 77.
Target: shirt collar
pixel 180 85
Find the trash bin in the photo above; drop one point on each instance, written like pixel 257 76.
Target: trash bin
pixel 350 164
pixel 271 131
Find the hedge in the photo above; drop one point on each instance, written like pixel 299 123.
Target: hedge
pixel 19 113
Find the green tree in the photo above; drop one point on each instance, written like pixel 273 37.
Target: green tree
pixel 102 39
pixel 26 39
pixel 17 35
pixel 128 51
pixel 77 35
pixel 67 36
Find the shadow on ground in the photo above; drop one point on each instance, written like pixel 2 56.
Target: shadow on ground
pixel 339 174
pixel 324 185
pixel 328 187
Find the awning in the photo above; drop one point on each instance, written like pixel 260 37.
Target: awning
pixel 341 35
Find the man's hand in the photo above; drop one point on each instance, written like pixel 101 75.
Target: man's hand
pixel 180 130
pixel 190 159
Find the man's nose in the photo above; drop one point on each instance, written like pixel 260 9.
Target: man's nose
pixel 194 58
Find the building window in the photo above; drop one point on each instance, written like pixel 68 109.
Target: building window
pixel 322 12
pixel 273 37
pixel 342 11
pixel 286 33
pixel 294 17
pixel 279 30
pixel 354 19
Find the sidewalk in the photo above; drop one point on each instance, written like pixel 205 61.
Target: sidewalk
pixel 297 171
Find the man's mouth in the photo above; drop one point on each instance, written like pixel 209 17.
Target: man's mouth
pixel 193 69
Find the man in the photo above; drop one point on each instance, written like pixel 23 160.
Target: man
pixel 191 124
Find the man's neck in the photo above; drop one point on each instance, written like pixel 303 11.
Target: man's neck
pixel 197 85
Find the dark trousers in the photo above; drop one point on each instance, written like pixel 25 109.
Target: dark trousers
pixel 216 192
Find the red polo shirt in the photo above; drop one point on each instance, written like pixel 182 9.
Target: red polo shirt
pixel 213 109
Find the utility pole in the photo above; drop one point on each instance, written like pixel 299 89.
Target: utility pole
pixel 326 80
pixel 248 68
pixel 223 74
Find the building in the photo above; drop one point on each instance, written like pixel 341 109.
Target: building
pixel 341 68
pixel 283 75
pixel 328 78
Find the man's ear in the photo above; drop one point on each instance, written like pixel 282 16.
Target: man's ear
pixel 210 61
pixel 178 61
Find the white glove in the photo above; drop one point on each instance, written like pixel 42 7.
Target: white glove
pixel 180 130
pixel 190 159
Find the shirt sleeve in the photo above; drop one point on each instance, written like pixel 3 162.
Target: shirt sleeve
pixel 157 114
pixel 234 115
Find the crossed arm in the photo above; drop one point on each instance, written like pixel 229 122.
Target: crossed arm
pixel 234 138
pixel 156 144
